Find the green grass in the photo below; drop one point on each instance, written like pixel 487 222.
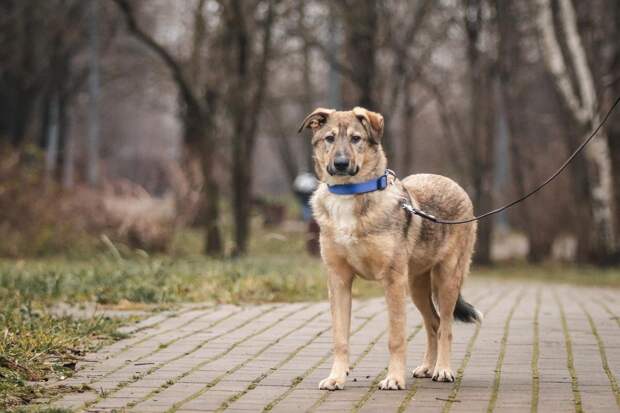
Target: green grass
pixel 165 280
pixel 554 273
pixel 276 269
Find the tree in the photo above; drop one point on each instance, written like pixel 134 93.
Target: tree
pixel 613 135
pixel 37 67
pixel 246 97
pixel 481 72
pixel 406 67
pixel 242 45
pixel 568 66
pixel 198 101
pixel 511 66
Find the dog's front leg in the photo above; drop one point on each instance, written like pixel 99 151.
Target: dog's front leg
pixel 395 291
pixel 340 280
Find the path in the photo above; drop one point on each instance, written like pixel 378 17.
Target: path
pixel 540 348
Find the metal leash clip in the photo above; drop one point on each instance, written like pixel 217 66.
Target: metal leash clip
pixel 409 208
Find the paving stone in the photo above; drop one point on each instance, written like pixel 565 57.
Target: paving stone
pixel 243 359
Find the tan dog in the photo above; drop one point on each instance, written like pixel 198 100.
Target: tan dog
pixel 370 235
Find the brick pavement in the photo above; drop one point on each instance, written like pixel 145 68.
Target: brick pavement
pixel 541 347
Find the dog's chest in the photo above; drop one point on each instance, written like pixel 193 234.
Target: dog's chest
pixel 343 219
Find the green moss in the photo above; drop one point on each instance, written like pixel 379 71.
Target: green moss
pixel 570 359
pixel 536 354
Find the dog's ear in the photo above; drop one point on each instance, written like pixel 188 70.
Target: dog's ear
pixel 316 119
pixel 372 121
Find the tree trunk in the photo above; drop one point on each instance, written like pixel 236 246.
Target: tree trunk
pixel 406 161
pixel 482 120
pixel 94 91
pixel 540 247
pixel 360 37
pixel 68 152
pixel 484 167
pixel 613 137
pixel 240 51
pixel 306 81
pixel 241 175
pixel 509 65
pixel 582 106
pixel 52 134
pixel 242 199
pixel 211 202
pixel 249 89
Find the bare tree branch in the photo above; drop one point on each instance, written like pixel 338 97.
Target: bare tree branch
pixel 451 126
pixel 330 56
pixel 177 72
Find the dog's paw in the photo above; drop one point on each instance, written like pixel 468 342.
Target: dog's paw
pixel 422 371
pixel 331 383
pixel 444 375
pixel 392 383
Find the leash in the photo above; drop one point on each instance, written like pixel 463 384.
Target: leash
pixel 433 218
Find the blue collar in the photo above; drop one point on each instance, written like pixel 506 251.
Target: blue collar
pixel 375 184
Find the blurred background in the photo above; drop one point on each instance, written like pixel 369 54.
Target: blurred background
pixel 169 127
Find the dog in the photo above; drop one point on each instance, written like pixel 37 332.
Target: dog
pixel 373 236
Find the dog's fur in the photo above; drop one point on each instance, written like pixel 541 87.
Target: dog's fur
pixel 370 235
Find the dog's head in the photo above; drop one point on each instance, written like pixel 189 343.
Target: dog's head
pixel 346 145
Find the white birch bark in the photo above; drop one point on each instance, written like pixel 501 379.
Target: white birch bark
pixel 583 106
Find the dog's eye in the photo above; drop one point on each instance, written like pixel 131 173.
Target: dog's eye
pixel 356 138
pixel 329 139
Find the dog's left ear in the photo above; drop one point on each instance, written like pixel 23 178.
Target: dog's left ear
pixel 372 121
pixel 316 119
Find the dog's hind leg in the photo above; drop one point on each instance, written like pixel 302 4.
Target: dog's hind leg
pixel 447 281
pixel 420 289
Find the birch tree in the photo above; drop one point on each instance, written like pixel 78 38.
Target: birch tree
pixel 581 100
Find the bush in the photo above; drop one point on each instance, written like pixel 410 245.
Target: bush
pixel 38 218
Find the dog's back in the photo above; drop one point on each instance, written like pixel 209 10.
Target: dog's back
pixel 439 196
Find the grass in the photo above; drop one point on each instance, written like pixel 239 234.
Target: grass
pixel 277 269
pixel 35 347
pixel 553 272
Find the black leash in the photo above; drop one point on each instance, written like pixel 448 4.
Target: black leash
pixel 433 218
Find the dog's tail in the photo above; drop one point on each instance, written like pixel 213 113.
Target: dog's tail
pixel 465 312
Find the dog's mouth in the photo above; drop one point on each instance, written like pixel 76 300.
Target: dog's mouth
pixel 351 171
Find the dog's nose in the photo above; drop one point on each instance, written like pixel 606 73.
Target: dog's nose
pixel 341 163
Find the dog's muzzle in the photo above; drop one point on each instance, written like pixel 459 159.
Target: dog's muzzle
pixel 342 166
